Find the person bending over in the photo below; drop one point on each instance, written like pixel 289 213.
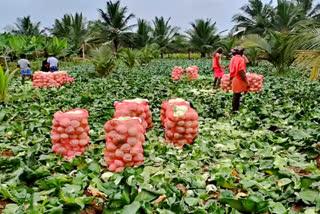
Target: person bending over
pixel 45 64
pixel 53 61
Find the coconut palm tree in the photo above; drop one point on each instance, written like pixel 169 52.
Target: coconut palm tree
pixel 286 16
pixel 203 36
pixel 163 33
pixel 143 34
pixel 24 26
pixel 274 48
pixel 307 41
pixel 74 29
pixel 310 9
pixel 254 19
pixel 114 24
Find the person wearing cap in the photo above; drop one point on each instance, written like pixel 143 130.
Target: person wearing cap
pixel 239 79
pixel 233 53
pixel 217 67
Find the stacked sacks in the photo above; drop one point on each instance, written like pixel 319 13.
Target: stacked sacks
pixel 192 73
pixel 181 125
pixel 42 79
pixel 48 79
pixel 255 82
pixel 124 139
pixel 166 104
pixel 135 108
pixel 61 77
pixel 226 82
pixel 177 73
pixel 69 133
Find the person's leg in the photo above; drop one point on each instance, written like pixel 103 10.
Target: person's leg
pixel 219 82
pixel 215 81
pixel 236 102
pixel 22 80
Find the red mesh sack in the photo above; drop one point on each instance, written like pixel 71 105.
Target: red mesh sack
pixel 48 79
pixel 226 82
pixel 135 108
pixel 69 133
pixel 124 140
pixel 166 104
pixel 177 73
pixel 192 73
pixel 181 125
pixel 255 82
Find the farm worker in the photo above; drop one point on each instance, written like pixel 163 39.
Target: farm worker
pixel 233 53
pixel 239 81
pixel 53 63
pixel 217 67
pixel 45 64
pixel 24 66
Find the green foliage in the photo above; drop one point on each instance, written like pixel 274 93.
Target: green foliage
pixel 104 60
pixel 143 34
pixel 163 33
pixel 261 157
pixel 203 36
pixel 24 26
pixel 129 57
pixel 273 48
pixel 114 25
pixel 148 53
pixel 74 29
pixel 57 47
pixel 255 18
pixel 5 78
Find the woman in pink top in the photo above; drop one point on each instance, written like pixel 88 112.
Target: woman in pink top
pixel 217 67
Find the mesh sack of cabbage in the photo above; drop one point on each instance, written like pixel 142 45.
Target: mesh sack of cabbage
pixel 61 77
pixel 124 140
pixel 226 83
pixel 48 79
pixel 69 133
pixel 42 80
pixel 135 108
pixel 192 73
pixel 166 104
pixel 177 73
pixel 181 125
pixel 255 82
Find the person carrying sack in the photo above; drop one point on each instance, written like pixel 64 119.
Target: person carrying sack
pixel 239 79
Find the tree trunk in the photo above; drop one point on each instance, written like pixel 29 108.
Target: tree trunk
pixel 189 54
pixel 116 46
pixel 83 51
pixel 203 54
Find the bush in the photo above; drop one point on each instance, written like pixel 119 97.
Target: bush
pixel 104 60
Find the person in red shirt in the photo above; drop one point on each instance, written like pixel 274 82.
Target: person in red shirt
pixel 217 67
pixel 239 79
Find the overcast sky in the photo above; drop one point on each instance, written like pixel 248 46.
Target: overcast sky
pixel 182 12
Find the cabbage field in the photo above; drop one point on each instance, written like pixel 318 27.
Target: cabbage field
pixel 266 159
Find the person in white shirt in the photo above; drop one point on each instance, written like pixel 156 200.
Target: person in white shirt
pixel 53 63
pixel 24 66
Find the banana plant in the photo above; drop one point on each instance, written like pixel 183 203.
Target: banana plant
pixel 57 47
pixel 5 78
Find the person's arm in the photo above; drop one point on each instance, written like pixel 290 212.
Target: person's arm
pixel 243 77
pixel 246 59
